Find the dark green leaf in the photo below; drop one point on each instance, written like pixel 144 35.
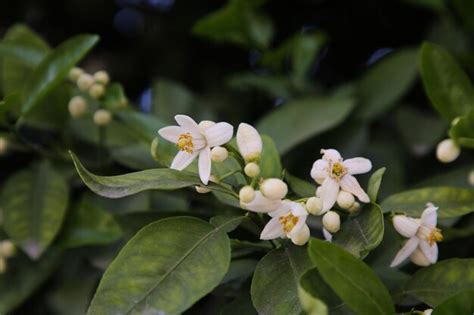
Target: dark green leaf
pixel 462 132
pixel 461 303
pixel 231 222
pixel 275 86
pixel 315 294
pixel 374 184
pixel 171 98
pixel 300 187
pixel 270 164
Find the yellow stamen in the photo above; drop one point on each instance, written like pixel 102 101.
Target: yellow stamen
pixel 185 142
pixel 435 236
pixel 338 170
pixel 289 221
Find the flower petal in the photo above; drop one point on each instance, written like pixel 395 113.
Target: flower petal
pixel 219 134
pixel 263 204
pixel 357 165
pixel 319 171
pixel 249 141
pixel 298 226
pixel 429 217
pixel 187 123
pixel 431 252
pixel 327 235
pixel 419 258
pixel 349 183
pixel 328 193
pixel 405 226
pixel 205 165
pixel 182 160
pixel 298 210
pixel 273 229
pixel 331 155
pixel 170 133
pixel 405 251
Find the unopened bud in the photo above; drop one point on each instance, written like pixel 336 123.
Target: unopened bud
pixel 447 151
pixel 202 190
pixel 355 207
pixel 332 221
pixel 314 205
pixel 3 145
pixel 249 142
pixel 77 106
pixel 345 199
pixel 252 169
pixel 470 178
pixel 75 73
pixel 85 81
pixel 219 154
pixel 246 194
pixel 7 248
pixel 428 311
pixel 102 77
pixel 102 117
pixel 274 188
pixel 302 237
pixel 96 90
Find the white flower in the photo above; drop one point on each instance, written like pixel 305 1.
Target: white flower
pixel 428 311
pixel 333 173
pixel 102 117
pixel 196 140
pixel 261 204
pixel 423 234
pixel 249 142
pixel 447 151
pixel 288 221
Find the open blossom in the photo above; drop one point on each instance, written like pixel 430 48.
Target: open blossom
pixel 261 204
pixel 333 173
pixel 423 234
pixel 288 221
pixel 195 140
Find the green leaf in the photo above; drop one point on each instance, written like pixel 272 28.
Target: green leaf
pixel 54 68
pixel 362 233
pixel 270 164
pixel 276 279
pixel 171 98
pixel 275 86
pixel 132 183
pixel 352 280
pixel 135 156
pixel 374 184
pixel 434 284
pixel 312 304
pixel 385 83
pixel 114 97
pixel 302 119
pixel 300 187
pixel 166 267
pixel 461 303
pixel 462 132
pixel 34 202
pixel 446 84
pixel 452 202
pixel 231 222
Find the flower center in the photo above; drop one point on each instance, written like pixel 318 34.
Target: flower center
pixel 434 236
pixel 288 221
pixel 185 142
pixel 338 170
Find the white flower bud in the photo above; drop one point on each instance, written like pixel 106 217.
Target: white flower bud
pixel 102 117
pixel 470 178
pixel 247 194
pixel 249 142
pixel 85 81
pixel 96 90
pixel 302 237
pixel 202 190
pixel 75 73
pixel 7 248
pixel 274 188
pixel 102 77
pixel 332 221
pixel 314 205
pixel 77 106
pixel 219 154
pixel 428 311
pixel 447 151
pixel 252 169
pixel 345 199
pixel 3 145
pixel 3 265
pixel 355 207
pixel 419 258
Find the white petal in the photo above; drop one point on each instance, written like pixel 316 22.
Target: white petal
pixel 405 251
pixel 419 258
pixel 349 183
pixel 284 208
pixel 170 133
pixel 327 235
pixel 204 124
pixel 405 226
pixel 357 165
pixel 183 159
pixel 319 171
pixel 205 165
pixel 431 252
pixel 187 123
pixel 298 210
pixel 302 237
pixel 328 193
pixel 429 217
pixel 298 226
pixel 219 134
pixel 249 141
pixel 262 204
pixel 331 155
pixel 273 229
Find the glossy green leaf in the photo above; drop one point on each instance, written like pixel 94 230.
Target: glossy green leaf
pixel 275 86
pixel 166 267
pixel 385 83
pixel 462 132
pixel 132 183
pixel 361 233
pixel 270 163
pixel 54 68
pixel 461 303
pixel 299 186
pixel 452 202
pixel 240 306
pixel 231 222
pixel 375 181
pixel 34 202
pixel 446 84
pixel 434 284
pixel 276 280
pixel 302 119
pixel 352 280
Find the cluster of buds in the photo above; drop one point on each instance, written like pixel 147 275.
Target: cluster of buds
pixel 7 250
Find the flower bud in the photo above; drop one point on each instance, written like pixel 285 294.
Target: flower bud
pixel 102 117
pixel 345 199
pixel 7 248
pixel 314 205
pixel 355 207
pixel 3 265
pixel 85 81
pixel 447 151
pixel 3 145
pixel 302 237
pixel 77 106
pixel 252 169
pixel 428 311
pixel 219 154
pixel 470 178
pixel 96 90
pixel 332 221
pixel 249 142
pixel 75 73
pixel 101 77
pixel 202 190
pixel 247 194
pixel 419 258
pixel 274 188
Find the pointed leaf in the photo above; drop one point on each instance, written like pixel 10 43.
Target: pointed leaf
pixel 374 184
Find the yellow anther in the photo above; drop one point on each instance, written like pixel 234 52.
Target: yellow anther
pixel 435 236
pixel 185 142
pixel 288 221
pixel 338 170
